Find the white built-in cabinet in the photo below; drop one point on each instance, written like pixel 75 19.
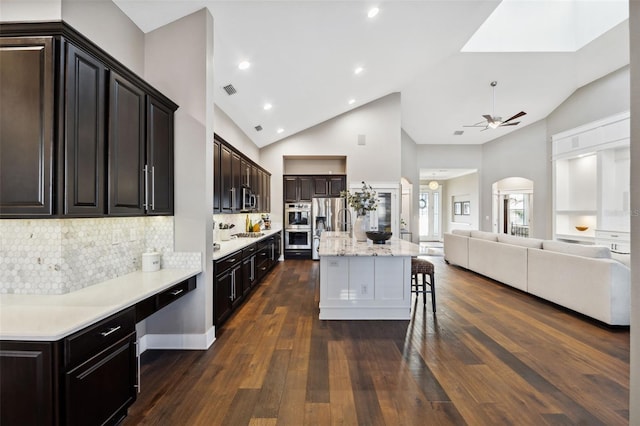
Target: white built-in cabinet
pixel 591 182
pixel 387 215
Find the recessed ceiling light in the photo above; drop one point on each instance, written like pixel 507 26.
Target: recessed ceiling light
pixel 267 107
pixel 373 12
pixel 244 65
pixel 358 70
pixel 280 130
pixel 352 101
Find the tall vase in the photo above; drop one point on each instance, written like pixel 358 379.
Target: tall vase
pixel 360 228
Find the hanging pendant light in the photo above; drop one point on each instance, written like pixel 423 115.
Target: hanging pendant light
pixel 433 185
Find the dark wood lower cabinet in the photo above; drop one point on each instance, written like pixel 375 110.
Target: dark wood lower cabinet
pixel 87 378
pixel 28 385
pixel 238 273
pixel 99 391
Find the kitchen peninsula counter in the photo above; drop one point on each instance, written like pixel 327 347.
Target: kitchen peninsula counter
pixel 53 317
pixel 235 244
pixel 365 281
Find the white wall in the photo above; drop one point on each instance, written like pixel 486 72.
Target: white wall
pixel 107 26
pixel 178 59
pixel 601 98
pixel 34 10
pixel 179 62
pixel 461 188
pixel 523 153
pixel 634 396
pixel 315 166
pixel 230 132
pixel 377 161
pixel 411 173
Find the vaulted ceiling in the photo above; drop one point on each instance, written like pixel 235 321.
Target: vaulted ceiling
pixel 303 55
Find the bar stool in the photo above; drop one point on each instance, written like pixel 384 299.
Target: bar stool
pixel 423 267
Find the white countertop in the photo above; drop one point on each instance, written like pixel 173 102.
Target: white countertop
pixel 342 244
pixel 53 317
pixel 235 244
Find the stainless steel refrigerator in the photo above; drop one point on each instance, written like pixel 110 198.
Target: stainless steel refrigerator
pixel 327 214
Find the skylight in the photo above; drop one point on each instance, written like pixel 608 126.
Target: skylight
pixel 546 25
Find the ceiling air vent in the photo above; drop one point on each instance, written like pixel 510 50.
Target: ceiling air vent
pixel 258 128
pixel 458 132
pixel 229 89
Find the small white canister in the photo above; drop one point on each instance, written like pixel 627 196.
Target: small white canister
pixel 150 261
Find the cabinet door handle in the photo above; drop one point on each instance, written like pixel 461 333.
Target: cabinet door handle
pixel 137 385
pixel 176 292
pixel 111 330
pixel 146 188
pixel 153 188
pixel 233 198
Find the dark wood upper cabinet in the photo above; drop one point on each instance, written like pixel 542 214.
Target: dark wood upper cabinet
pixel 298 188
pixel 127 170
pixel 78 129
pixel 301 188
pixel 337 184
pixel 231 171
pixel 226 180
pixel 159 157
pixel 290 189
pixel 216 177
pixel 320 186
pixel 306 189
pixel 236 181
pixel 26 126
pixel 84 148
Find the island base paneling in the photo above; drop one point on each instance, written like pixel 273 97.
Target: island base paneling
pixel 365 288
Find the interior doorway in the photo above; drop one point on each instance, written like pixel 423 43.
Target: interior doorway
pixel 430 213
pixel 513 206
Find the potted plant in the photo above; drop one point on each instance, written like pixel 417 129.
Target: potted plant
pixel 362 202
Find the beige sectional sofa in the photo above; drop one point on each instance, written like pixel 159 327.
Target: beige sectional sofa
pixel 579 277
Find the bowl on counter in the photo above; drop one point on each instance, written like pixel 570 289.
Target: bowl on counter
pixel 582 228
pixel 378 237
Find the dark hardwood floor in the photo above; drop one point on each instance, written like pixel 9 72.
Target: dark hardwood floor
pixel 490 356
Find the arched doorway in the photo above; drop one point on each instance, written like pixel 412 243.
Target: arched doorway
pixel 512 206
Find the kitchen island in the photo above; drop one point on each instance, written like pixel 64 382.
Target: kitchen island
pixel 365 281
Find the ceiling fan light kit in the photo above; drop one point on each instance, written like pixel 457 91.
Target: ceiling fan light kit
pixel 492 121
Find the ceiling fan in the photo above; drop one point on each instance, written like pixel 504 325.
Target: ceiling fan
pixel 492 121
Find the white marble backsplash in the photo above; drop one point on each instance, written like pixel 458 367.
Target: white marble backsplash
pixel 57 256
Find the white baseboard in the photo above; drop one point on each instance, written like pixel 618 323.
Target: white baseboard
pixel 177 341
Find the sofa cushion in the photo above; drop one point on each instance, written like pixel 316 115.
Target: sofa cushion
pixel 520 241
pixel 577 249
pixel 462 232
pixel 489 236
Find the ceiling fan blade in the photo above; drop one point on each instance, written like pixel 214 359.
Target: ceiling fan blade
pixel 486 127
pixel 489 118
pixel 478 124
pixel 515 123
pixel 520 114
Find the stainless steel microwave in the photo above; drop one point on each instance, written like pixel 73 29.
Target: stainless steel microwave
pixel 248 199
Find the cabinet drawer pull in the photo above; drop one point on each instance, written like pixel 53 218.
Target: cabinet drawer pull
pixel 614 236
pixel 176 292
pixel 111 330
pixel 231 260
